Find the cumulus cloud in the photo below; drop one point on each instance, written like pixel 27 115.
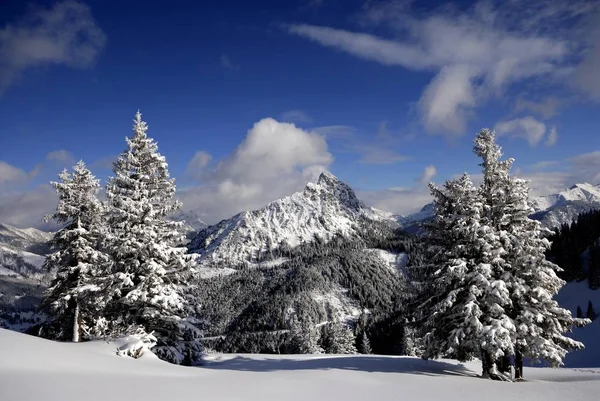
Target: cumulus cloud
pixel 274 160
pixel 61 157
pixel 428 173
pixel 295 116
pixel 527 128
pixel 65 34
pixel 475 53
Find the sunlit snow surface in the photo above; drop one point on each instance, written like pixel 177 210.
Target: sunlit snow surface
pixel 37 369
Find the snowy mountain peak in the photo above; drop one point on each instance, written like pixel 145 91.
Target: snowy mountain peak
pixel 324 209
pixel 564 207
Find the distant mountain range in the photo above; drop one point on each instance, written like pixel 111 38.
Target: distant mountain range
pixel 551 210
pixel 564 207
pixel 22 250
pixel 322 210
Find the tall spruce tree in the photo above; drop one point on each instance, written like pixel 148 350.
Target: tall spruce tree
pixel 150 269
pixel 538 323
pixel 465 304
pixel 80 266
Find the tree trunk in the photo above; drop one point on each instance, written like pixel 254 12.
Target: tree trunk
pixel 518 366
pixel 76 323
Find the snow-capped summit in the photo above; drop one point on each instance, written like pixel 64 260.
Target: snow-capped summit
pixel 324 209
pixel 564 207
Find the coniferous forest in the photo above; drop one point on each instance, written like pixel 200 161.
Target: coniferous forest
pixel 478 283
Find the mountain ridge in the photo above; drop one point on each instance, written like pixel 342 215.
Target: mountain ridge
pixel 324 209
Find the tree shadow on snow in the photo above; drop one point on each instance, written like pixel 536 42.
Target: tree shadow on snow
pixel 362 363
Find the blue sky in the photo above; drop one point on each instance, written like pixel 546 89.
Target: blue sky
pixel 385 94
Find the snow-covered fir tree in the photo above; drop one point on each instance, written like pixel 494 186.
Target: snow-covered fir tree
pixel 465 304
pixel 365 344
pixel 72 298
pixel 338 338
pixel 151 271
pixel 305 337
pixel 539 322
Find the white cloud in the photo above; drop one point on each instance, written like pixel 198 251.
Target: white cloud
pixel 397 200
pixel 428 173
pixel 545 109
pixel 295 116
pixel 228 64
pixel 274 160
pixel 196 166
pixel 527 128
pixel 27 209
pixel 552 137
pixel 11 174
pixel 448 100
pixel 587 78
pixel 65 34
pixel 476 53
pixel 586 167
pixel 61 156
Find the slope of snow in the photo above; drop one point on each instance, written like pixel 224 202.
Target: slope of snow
pixel 322 209
pixel 575 294
pixel 395 261
pixel 37 369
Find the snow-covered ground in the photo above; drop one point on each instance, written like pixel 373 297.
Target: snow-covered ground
pixel 579 294
pixel 36 369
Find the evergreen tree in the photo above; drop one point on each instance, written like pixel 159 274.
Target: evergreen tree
pixel 80 266
pixel 466 315
pixel 365 344
pixel 150 269
pixel 594 266
pixel 537 322
pixel 338 339
pixel 590 313
pixel 579 312
pixel 305 337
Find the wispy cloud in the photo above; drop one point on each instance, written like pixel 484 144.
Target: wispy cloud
pixel 295 116
pixel 527 128
pixel 65 34
pixel 552 137
pixel 428 173
pixel 475 53
pixel 228 64
pixel 62 156
pixel 546 108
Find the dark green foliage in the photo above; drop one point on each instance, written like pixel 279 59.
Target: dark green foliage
pixel 594 266
pixel 570 241
pixel 590 313
pixel 579 312
pixel 251 308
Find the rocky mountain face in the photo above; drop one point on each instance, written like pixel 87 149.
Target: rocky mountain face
pixel 322 210
pixel 564 207
pixel 22 251
pixel 22 279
